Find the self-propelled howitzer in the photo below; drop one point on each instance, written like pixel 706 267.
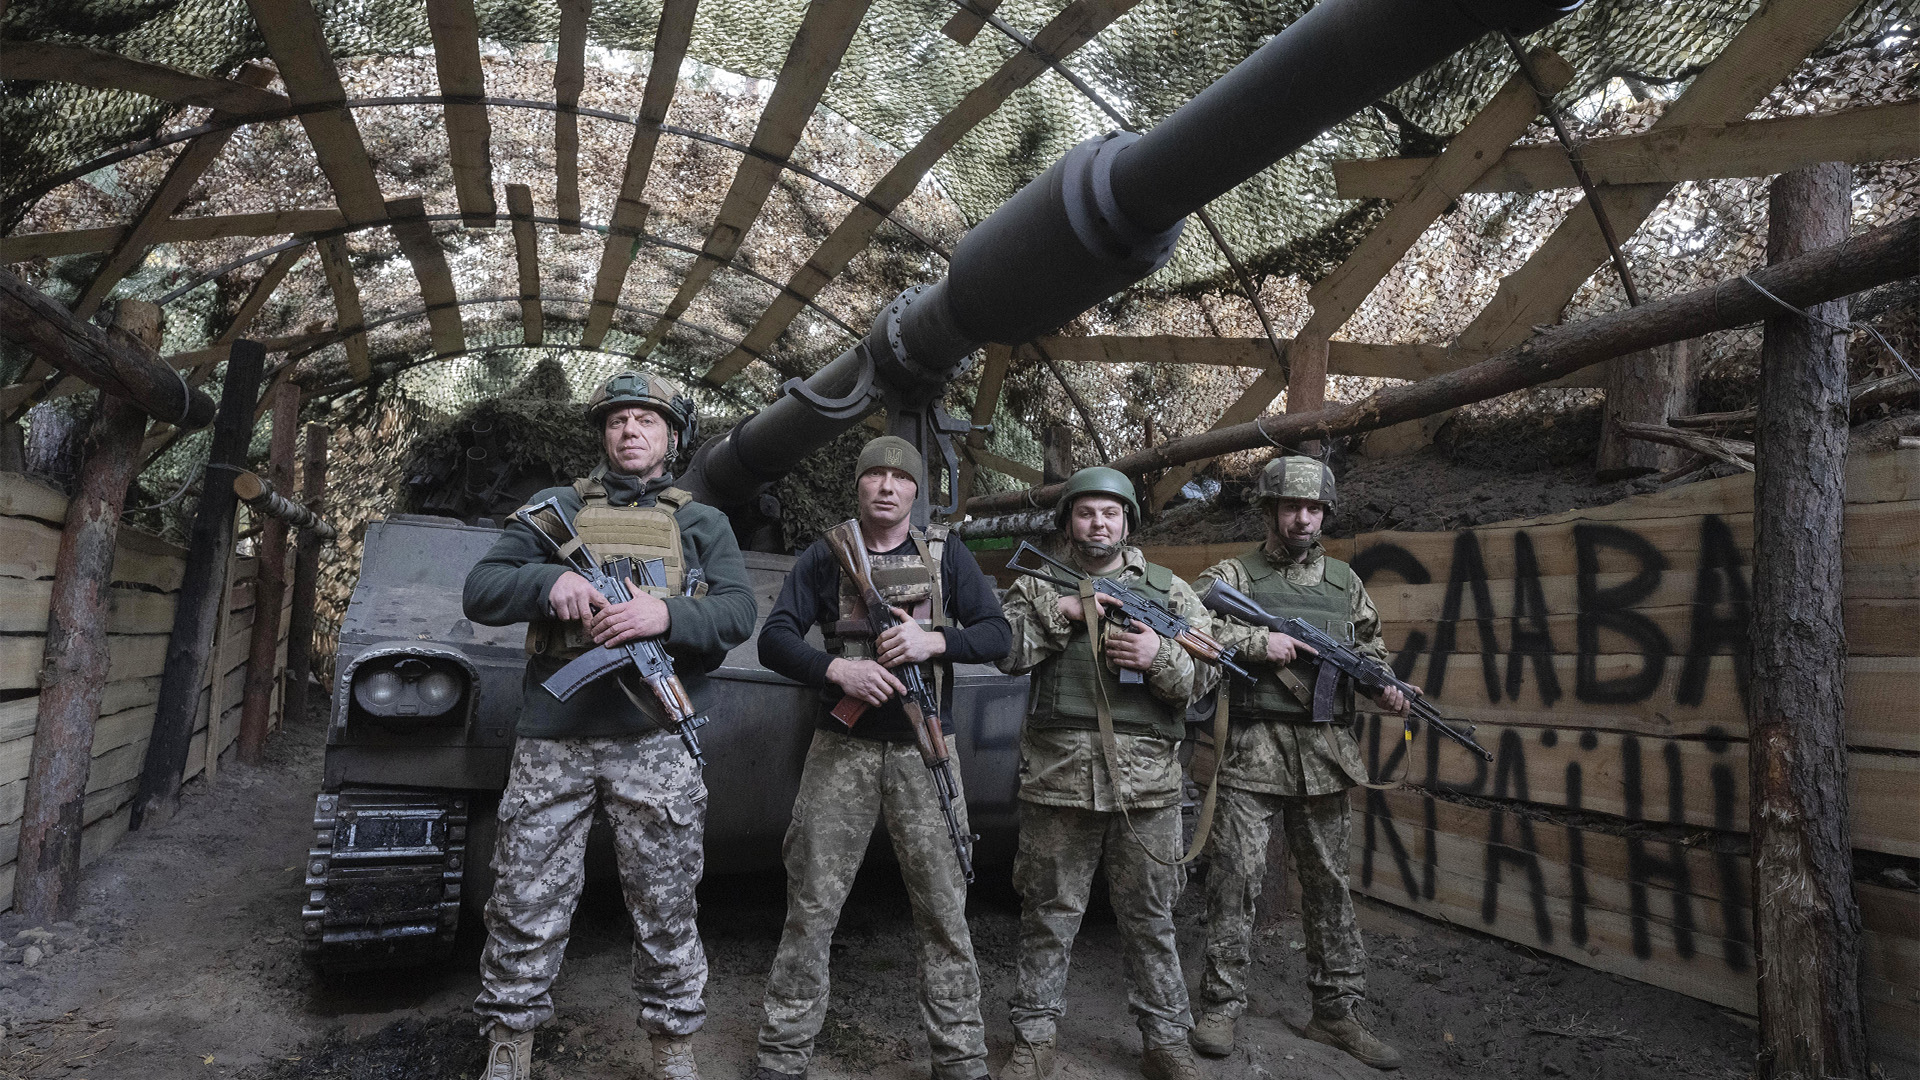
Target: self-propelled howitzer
pixel 1103 217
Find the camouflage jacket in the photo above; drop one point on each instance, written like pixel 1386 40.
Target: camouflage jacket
pixel 1065 767
pixel 1281 758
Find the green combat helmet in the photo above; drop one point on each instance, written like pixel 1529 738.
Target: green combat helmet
pixel 1098 480
pixel 893 452
pixel 1294 478
pixel 664 396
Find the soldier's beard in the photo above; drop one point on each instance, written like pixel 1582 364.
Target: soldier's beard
pixel 1094 553
pixel 1297 546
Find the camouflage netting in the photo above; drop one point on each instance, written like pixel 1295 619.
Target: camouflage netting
pixel 899 77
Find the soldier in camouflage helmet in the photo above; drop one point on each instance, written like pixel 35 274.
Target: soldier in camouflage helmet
pixel 1076 808
pixel 606 746
pixel 1279 764
pixel 856 776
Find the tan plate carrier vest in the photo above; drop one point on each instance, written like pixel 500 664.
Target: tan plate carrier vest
pixel 909 581
pixel 1324 605
pixel 641 533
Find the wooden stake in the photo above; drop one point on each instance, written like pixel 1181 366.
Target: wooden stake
pixel 74 676
pixel 270 584
pixel 201 598
pixel 306 578
pixel 1806 925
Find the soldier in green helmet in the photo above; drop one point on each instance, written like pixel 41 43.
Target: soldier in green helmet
pixel 603 748
pixel 1279 764
pixel 1075 812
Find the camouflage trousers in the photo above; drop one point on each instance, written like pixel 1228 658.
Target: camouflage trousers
pixel 1316 832
pixel 653 797
pixel 1060 848
pixel 847 786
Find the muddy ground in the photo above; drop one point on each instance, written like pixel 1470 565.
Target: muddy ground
pixel 184 963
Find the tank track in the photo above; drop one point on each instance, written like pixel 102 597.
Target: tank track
pixel 383 878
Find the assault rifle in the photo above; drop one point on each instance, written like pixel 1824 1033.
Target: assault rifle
pixel 1134 610
pixel 921 705
pixel 1336 658
pixel 646 657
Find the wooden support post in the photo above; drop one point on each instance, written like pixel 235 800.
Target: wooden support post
pixel 1647 387
pixel 306 579
pixel 985 401
pixel 269 584
pixel 1307 380
pixel 1806 923
pixel 201 597
pixel 73 678
pixel 1056 453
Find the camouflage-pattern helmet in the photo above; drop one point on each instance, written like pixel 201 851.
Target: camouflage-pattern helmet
pixel 1098 480
pixel 663 396
pixel 1294 478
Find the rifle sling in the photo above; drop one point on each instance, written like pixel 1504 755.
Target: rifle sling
pixel 1110 744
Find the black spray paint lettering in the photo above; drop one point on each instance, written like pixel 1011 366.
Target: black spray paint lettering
pixel 1612 609
pixel 1720 580
pixel 1510 782
pixel 1531 640
pixel 1469 573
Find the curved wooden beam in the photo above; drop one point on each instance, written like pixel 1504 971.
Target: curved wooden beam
pixel 49 61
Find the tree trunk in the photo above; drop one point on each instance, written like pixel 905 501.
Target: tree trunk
pixel 73 677
pixel 269 585
pixel 1806 928
pixel 202 593
pixel 1056 453
pixel 1646 387
pixel 1307 381
pixel 306 578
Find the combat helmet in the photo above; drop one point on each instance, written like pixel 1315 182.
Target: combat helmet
pixel 1294 477
pixel 664 396
pixel 1098 480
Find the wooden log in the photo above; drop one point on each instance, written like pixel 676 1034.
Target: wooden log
pixel 261 497
pixel 430 268
pixel 1808 928
pixel 73 676
pixel 526 251
pixel 569 78
pixel 1395 361
pixel 306 577
pixel 201 595
pixel 34 321
pixel 347 312
pixel 173 231
pixel 1056 453
pixel 986 401
pixel 1735 452
pixel 271 584
pixel 48 61
pixel 1644 387
pixel 1875 257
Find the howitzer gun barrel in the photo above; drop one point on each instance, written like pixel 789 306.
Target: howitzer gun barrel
pixel 1103 217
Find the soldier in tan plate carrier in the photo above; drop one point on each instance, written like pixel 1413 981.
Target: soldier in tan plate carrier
pixel 1074 812
pixel 604 747
pixel 1279 764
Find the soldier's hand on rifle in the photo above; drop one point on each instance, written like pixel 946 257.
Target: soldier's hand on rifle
pixel 573 598
pixel 1391 699
pixel 907 643
pixel 1071 609
pixel 865 680
pixel 1133 648
pixel 644 616
pixel 1282 649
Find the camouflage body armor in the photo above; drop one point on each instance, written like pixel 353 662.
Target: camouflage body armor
pixel 1063 691
pixel 1326 606
pixel 909 581
pixel 641 533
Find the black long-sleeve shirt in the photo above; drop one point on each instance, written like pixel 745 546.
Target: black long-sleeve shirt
pixel 977 634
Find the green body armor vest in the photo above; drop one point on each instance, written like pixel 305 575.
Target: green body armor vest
pixel 910 581
pixel 1063 683
pixel 1324 605
pixel 641 533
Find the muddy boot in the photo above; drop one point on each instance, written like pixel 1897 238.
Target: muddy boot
pixel 1174 1062
pixel 1213 1035
pixel 1030 1061
pixel 1350 1035
pixel 509 1054
pixel 673 1058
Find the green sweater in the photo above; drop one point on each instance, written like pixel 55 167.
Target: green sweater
pixel 511 584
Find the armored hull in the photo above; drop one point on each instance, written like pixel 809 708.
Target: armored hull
pixel 402 824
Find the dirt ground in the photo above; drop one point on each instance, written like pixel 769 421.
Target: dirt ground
pixel 184 963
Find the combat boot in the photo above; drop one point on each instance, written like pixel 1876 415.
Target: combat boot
pixel 1214 1034
pixel 1351 1036
pixel 673 1058
pixel 1030 1061
pixel 509 1054
pixel 1172 1062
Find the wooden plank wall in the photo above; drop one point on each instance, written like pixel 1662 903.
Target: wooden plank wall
pixel 147 574
pixel 1601 653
